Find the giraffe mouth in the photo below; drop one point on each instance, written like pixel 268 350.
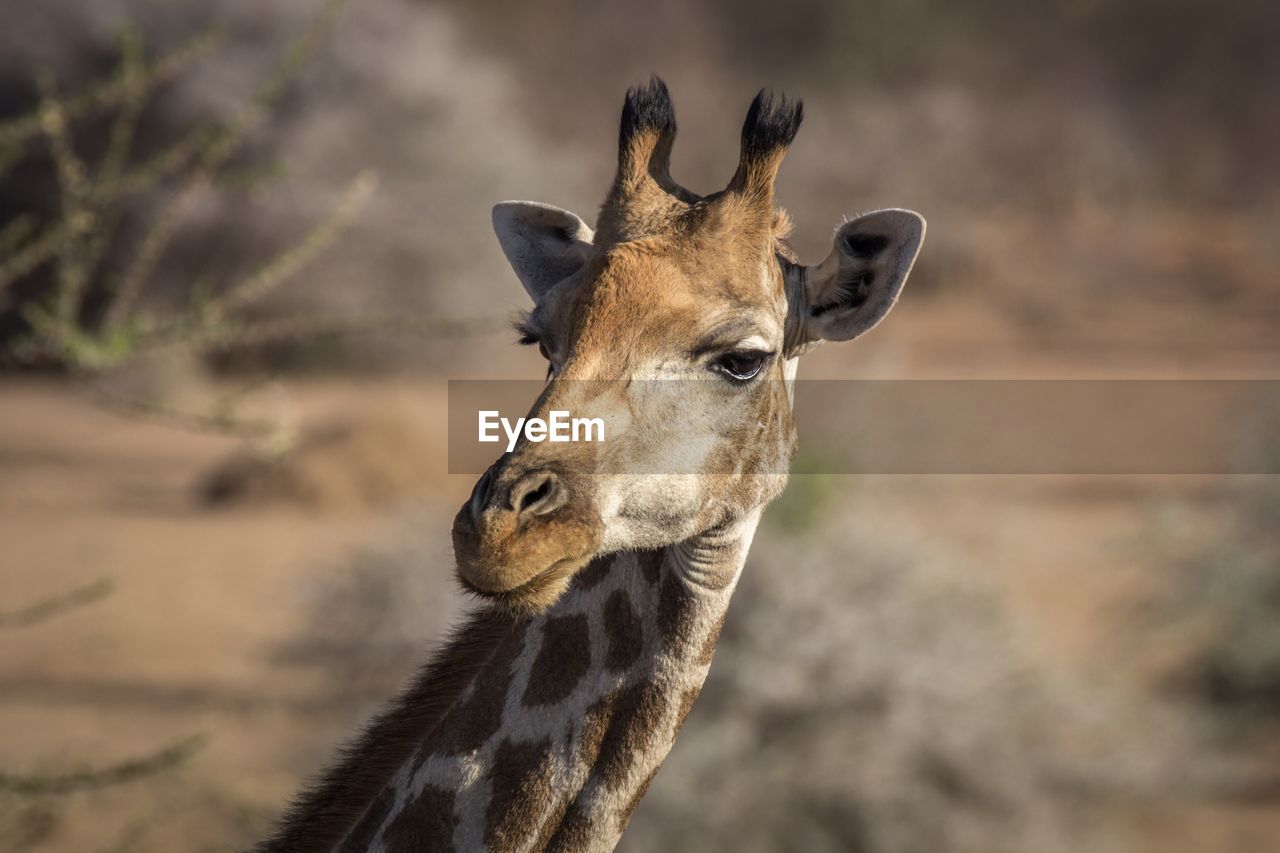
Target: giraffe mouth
pixel 518 546
pixel 535 594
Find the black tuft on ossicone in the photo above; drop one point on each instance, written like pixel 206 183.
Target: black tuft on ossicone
pixel 772 123
pixel 647 108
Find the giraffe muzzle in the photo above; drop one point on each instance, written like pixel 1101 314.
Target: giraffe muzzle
pixel 523 534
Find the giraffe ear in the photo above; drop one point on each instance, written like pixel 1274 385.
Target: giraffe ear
pixel 544 244
pixel 854 288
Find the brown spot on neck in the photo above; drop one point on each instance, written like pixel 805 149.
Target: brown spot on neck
pixel 427 823
pixel 675 616
pixel 617 732
pixel 562 661
pixel 520 792
pixel 650 565
pixel 480 716
pixel 637 714
pixel 595 572
pixel 574 832
pixel 624 632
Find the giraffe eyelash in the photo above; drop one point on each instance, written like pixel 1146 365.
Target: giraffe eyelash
pixel 528 335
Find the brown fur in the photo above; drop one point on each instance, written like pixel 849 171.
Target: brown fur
pixel 427 823
pixel 562 661
pixel 519 779
pixel 650 565
pixel 478 717
pixel 360 840
pixel 637 715
pixel 594 573
pixel 574 832
pixel 623 631
pixel 323 813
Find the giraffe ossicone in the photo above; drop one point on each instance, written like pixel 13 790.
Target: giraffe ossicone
pixel 540 724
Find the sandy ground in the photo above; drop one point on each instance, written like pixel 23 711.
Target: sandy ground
pixel 187 641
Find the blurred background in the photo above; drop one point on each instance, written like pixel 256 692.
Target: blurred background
pixel 243 245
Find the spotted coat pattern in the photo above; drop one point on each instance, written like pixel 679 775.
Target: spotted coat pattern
pixel 558 736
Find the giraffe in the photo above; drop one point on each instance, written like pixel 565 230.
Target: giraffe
pixel 605 577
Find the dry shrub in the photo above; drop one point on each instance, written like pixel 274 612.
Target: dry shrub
pixel 361 463
pixel 1041 144
pixel 869 694
pixel 393 90
pixel 1229 595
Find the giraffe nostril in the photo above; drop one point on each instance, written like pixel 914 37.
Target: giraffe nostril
pixel 532 498
pixel 537 493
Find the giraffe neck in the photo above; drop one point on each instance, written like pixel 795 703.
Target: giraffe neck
pixel 554 738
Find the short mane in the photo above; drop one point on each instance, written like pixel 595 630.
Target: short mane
pixel 328 808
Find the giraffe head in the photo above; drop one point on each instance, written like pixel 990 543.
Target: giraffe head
pixel 670 286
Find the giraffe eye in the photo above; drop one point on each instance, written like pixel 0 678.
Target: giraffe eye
pixel 528 339
pixel 741 365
